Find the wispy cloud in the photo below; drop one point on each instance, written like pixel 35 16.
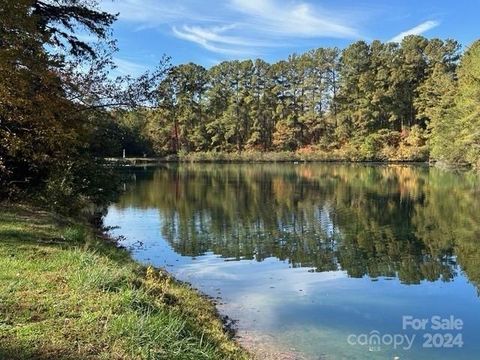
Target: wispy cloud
pixel 417 30
pixel 212 38
pixel 127 67
pixel 239 27
pixel 217 39
pixel 153 13
pixel 300 19
pixel 266 23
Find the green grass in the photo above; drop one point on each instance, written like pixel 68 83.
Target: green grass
pixel 67 293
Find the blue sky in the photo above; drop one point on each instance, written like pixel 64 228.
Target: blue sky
pixel 210 31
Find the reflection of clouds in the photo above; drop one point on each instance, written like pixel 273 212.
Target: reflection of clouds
pixel 142 226
pixel 256 292
pixel 350 218
pixel 204 269
pixel 275 299
pixel 254 273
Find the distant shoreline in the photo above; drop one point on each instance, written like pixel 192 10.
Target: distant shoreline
pixel 248 157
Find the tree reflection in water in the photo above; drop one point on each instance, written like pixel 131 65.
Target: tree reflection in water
pixel 411 222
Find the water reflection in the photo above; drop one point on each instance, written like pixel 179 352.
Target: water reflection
pixel 292 249
pixel 413 223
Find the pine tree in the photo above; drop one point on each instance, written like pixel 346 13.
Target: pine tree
pixel 468 105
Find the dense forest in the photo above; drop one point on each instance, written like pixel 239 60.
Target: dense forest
pixel 62 110
pixel 416 100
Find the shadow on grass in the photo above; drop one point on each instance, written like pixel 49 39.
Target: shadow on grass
pixel 26 226
pixel 20 353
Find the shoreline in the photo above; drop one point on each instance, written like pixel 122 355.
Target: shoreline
pixel 135 161
pixel 253 159
pixel 62 279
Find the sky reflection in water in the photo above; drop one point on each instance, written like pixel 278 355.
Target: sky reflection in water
pixel 309 254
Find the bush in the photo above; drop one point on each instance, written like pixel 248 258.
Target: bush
pixel 79 184
pixel 374 144
pixel 413 145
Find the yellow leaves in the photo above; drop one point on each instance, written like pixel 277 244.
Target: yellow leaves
pixel 157 282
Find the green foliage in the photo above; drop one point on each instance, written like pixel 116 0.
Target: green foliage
pixel 377 101
pixel 413 145
pixel 77 185
pixel 456 128
pixel 41 129
pixel 54 90
pixel 468 103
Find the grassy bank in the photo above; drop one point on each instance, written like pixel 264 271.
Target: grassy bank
pixel 66 293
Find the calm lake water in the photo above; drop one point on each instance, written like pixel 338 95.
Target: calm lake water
pixel 325 260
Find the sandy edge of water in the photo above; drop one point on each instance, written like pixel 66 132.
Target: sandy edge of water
pixel 265 347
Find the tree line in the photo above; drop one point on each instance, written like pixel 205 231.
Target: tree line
pixel 386 101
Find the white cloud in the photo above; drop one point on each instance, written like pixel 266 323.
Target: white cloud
pixel 417 30
pixel 217 40
pixel 190 34
pixel 293 20
pixel 142 11
pixel 127 67
pixel 152 13
pixel 265 23
pixel 238 27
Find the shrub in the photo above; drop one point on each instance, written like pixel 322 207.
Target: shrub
pixel 373 145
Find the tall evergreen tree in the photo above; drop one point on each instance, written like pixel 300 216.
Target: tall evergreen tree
pixel 377 100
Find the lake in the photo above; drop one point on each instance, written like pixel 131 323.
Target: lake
pixel 319 261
